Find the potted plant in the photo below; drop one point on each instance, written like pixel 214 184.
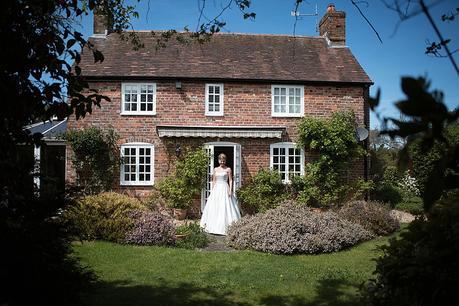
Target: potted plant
pixel 176 195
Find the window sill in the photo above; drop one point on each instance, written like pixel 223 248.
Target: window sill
pixel 138 113
pixel 287 115
pixel 213 115
pixel 134 184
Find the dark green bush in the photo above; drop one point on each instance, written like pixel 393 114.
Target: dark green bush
pixel 373 216
pixel 263 192
pixel 422 266
pixel 411 204
pixel 292 228
pixel 194 237
pixel 105 216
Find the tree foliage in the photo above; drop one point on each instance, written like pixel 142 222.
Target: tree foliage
pixel 39 42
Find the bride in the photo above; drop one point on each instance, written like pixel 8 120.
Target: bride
pixel 221 208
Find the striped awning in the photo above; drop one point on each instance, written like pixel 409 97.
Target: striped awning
pixel 221 131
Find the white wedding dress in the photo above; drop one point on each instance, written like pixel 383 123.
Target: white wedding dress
pixel 221 209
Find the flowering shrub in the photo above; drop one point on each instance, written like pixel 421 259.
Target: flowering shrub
pixel 104 216
pixel 373 216
pixel 409 184
pixel 290 229
pixel 150 228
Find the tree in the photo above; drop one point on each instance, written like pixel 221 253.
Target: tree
pixel 38 42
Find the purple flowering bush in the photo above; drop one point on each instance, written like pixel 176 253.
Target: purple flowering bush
pixel 150 228
pixel 373 216
pixel 290 229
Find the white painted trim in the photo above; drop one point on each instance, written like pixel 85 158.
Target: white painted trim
pixel 138 145
pixel 287 114
pixel 286 145
pixel 138 112
pixel 37 167
pixel 222 103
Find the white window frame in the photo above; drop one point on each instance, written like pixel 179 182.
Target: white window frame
pixel 221 95
pixel 287 112
pixel 286 146
pixel 138 111
pixel 137 182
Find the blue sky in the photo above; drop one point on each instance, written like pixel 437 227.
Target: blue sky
pixel 400 54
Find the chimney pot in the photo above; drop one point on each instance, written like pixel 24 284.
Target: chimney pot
pixel 330 8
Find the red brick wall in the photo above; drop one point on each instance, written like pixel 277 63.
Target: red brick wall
pixel 244 104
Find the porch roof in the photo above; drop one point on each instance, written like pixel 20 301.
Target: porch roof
pixel 220 131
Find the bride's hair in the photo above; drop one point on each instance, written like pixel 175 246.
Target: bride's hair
pixel 222 155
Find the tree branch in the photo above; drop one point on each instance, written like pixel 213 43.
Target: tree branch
pixel 437 31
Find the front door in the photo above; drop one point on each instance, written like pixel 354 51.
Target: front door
pixel 233 160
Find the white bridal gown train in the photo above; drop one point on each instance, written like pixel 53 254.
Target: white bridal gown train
pixel 221 209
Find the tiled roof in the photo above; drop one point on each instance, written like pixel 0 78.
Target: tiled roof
pixel 227 56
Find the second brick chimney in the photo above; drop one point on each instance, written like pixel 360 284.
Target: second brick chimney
pixel 102 22
pixel 333 26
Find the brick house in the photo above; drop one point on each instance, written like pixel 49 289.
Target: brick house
pixel 241 94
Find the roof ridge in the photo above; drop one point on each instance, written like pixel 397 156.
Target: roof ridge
pixel 233 33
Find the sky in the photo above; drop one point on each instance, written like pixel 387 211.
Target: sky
pixel 401 53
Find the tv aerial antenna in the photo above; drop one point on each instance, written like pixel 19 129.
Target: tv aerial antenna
pixel 298 16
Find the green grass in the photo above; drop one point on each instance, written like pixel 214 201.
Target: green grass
pixel 134 275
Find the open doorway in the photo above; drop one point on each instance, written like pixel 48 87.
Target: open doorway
pixel 228 151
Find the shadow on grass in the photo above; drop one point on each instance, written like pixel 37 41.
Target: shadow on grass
pixel 328 292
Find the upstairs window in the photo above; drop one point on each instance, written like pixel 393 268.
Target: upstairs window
pixel 137 164
pixel 214 99
pixel 287 101
pixel 138 99
pixel 287 159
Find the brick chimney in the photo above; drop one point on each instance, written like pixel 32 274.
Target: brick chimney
pixel 102 22
pixel 333 26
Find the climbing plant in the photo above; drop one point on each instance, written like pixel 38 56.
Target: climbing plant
pixel 334 141
pixel 95 159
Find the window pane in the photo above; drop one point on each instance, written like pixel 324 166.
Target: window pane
pixel 132 177
pixel 126 177
pixel 283 109
pixel 276 100
pixel 150 98
pixel 297 109
pixel 217 89
pixel 291 151
pixel 276 108
pixel 143 98
pixel 126 168
pixel 134 98
pixel 211 89
pixel 143 107
pixel 143 88
pixel 134 107
pixel 283 91
pixel 217 99
pixel 282 151
pixel 283 101
pixel 291 109
pixel 127 106
pixel 126 151
pixel 211 98
pixel 127 98
pixel 291 91
pixel 133 152
pixel 276 90
pixel 149 107
pixel 217 107
pixel 297 91
pixel 276 159
pixel 147 177
pixel 141 151
pixel 147 151
pixel 147 168
pixel 276 151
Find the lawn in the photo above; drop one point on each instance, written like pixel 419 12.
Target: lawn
pixel 133 275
